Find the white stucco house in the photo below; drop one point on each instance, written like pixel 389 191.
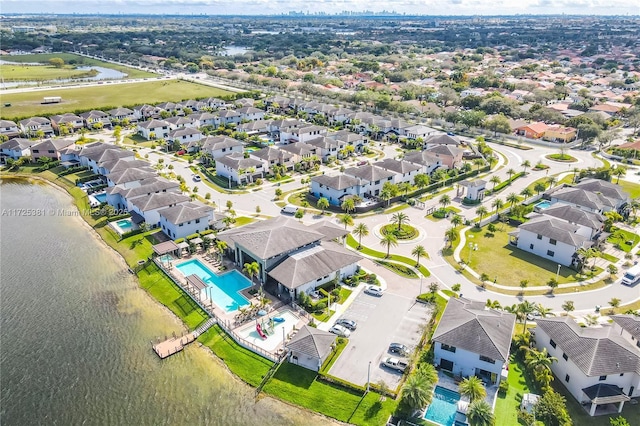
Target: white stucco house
pixel 404 170
pixel 335 188
pixel 236 168
pixel 599 365
pixel 9 128
pixel 185 219
pixel 15 149
pixel 472 340
pixel 220 146
pixel 153 129
pixel 149 206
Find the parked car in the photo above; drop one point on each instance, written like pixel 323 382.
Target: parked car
pixel 197 178
pixel 395 364
pixel 347 323
pixel 398 348
pixel 451 134
pixel 374 290
pixel 340 331
pixel 289 209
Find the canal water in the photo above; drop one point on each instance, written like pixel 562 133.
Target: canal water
pixel 76 330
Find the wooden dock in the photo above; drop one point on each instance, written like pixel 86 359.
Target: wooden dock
pixel 175 344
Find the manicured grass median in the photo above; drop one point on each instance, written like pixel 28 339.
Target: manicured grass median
pixel 300 386
pixel 380 255
pixel 27 104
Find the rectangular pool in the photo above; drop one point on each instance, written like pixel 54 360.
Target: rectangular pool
pixel 102 197
pixel 443 407
pixel 224 289
pixel 125 224
pixel 543 205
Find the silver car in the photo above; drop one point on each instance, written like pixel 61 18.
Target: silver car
pixel 340 331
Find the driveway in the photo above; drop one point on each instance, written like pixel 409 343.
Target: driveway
pixel 381 320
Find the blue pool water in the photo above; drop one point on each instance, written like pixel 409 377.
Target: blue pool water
pixel 443 407
pixel 101 197
pixel 223 289
pixel 543 205
pixel 124 224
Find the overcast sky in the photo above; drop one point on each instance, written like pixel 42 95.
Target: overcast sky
pixel 260 7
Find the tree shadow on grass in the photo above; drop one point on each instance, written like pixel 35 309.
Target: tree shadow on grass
pixel 373 410
pixel 295 375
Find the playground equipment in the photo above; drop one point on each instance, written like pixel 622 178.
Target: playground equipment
pixel 278 319
pixel 260 332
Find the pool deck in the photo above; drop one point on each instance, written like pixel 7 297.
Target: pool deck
pixel 232 321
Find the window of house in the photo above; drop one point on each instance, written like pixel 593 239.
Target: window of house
pixel 566 378
pixel 448 348
pixel 181 224
pixel 197 220
pixel 539 237
pixel 621 374
pixel 487 359
pixel 530 246
pixel 551 253
pixel 601 378
pixel 552 241
pixel 565 357
pixel 552 343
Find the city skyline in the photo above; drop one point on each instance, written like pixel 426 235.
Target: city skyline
pixel 277 7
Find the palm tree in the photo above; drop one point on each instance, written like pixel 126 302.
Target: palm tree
pixel 252 269
pixel 348 205
pixel 386 195
pixel 544 311
pixel 451 235
pixel 539 360
pixel 552 181
pixel 478 162
pixel 416 392
pixel 498 204
pixel 399 218
pixel 473 388
pixel 419 251
pixel 511 172
pixel 539 187
pixel 513 198
pixel 494 180
pixel 619 171
pixel 588 253
pixel 482 212
pixel 323 204
pixel 480 414
pixel 523 285
pixel 456 220
pixel 404 187
pixel 445 200
pixel 526 193
pixel 525 164
pixel 526 308
pixel 389 240
pixel 346 220
pixel 361 230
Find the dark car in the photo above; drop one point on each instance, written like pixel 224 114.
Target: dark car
pixel 398 348
pixel 350 324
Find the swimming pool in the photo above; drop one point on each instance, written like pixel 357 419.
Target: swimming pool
pixel 543 205
pixel 125 224
pixel 102 197
pixel 442 409
pixel 224 290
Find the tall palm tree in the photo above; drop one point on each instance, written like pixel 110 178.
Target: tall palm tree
pixel 480 414
pixel 619 171
pixel 478 162
pixel 404 187
pixel 361 230
pixel 388 241
pixel 323 204
pixel 526 193
pixel 544 311
pixel 513 198
pixel 537 360
pixel 526 308
pixel 473 388
pixel 482 212
pixel 252 269
pixel 525 164
pixel 416 392
pixel 498 204
pixel 511 172
pixel 451 235
pixel 399 218
pixel 348 205
pixel 456 220
pixel 495 180
pixel 419 251
pixel 568 306
pixel 445 200
pixel 539 187
pixel 346 220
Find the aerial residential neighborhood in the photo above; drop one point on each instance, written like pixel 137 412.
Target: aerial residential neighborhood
pixel 351 219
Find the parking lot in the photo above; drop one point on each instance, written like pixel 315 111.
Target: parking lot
pixel 381 321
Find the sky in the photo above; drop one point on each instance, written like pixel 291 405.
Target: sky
pixel 276 7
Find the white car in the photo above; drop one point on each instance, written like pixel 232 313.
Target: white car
pixel 196 178
pixel 374 290
pixel 340 331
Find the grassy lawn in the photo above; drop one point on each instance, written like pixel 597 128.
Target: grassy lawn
pixel 382 255
pixel 29 104
pixel 344 294
pixel 565 158
pixel 498 259
pixel 243 220
pixel 323 316
pixel 247 365
pixel 341 343
pixel 609 258
pixel 632 188
pixel 621 241
pixel 299 386
pixel 507 406
pixel 12 72
pixel 401 270
pixel 82 61
pixel 165 291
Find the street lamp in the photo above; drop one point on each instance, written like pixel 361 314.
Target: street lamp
pixel 558 271
pixel 472 247
pixel 368 376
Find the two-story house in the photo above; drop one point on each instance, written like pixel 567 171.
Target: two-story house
pixel 185 219
pixel 271 156
pixel 153 129
pixel 95 119
pixel 220 146
pixel 31 126
pixel 50 148
pixel 236 168
pixel 404 170
pixel 335 188
pixel 9 129
pixel 68 121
